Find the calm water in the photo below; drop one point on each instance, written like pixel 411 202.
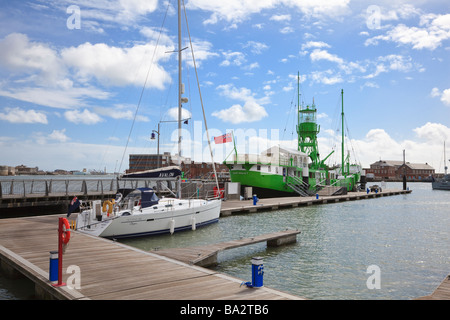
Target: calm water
pixel 406 236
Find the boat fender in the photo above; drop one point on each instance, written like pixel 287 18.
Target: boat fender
pixel 107 207
pixel 172 226
pixel 66 231
pixel 193 223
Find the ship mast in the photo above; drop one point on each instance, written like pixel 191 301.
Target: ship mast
pixel 179 94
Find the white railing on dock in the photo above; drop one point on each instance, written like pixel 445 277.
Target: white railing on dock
pixel 48 187
pixel 41 187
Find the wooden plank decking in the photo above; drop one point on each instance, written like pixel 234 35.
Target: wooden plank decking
pixel 207 255
pixel 442 292
pixel 230 207
pixel 111 270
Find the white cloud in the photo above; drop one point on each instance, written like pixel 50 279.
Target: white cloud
pixel 433 29
pixel 366 69
pixel 287 30
pixel 173 113
pixel 55 97
pixel 84 117
pixel 315 44
pixel 281 17
pixel 319 54
pixel 236 11
pixel 18 115
pixel 251 111
pixel 426 147
pixel 58 135
pixel 326 77
pixel 121 111
pixel 202 51
pixel 39 75
pixel 21 56
pixel 433 133
pixel 256 47
pixel 126 12
pixel 444 95
pixel 118 66
pixel 233 58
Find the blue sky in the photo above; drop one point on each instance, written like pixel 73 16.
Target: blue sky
pixel 72 73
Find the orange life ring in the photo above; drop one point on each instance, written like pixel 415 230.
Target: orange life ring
pixel 108 207
pixel 65 233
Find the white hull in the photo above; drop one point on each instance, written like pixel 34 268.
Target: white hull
pixel 166 217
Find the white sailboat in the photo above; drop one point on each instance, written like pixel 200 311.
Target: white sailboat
pixel 444 182
pixel 141 213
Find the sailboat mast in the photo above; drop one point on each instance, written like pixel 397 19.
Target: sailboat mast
pixel 342 141
pixel 179 93
pixel 445 161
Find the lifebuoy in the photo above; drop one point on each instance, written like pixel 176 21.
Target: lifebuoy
pixel 66 231
pixel 107 207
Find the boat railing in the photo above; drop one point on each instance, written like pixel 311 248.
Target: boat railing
pixel 262 159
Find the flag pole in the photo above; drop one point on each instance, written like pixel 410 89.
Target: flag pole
pixel 234 143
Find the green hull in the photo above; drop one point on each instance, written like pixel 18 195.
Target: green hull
pixel 278 182
pixel 256 179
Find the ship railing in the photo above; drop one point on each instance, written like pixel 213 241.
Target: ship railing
pixel 261 159
pixel 298 185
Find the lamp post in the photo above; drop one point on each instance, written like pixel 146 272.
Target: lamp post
pixel 152 137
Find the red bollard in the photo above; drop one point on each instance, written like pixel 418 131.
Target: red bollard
pixel 63 238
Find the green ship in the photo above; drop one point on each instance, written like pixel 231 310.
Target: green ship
pixel 280 171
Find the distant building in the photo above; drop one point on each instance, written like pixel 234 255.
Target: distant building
pixel 141 162
pixel 415 171
pixel 394 170
pixel 191 169
pixel 22 169
pixel 7 171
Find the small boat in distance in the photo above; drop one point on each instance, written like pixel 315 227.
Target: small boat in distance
pixel 444 182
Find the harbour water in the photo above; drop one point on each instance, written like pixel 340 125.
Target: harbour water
pixel 406 236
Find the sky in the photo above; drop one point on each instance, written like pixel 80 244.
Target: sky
pixel 83 84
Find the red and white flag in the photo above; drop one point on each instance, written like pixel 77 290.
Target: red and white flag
pixel 223 138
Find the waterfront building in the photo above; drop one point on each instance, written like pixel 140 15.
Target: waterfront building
pixel 7 171
pixel 394 171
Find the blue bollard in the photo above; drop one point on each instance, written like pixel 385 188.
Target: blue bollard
pixel 53 272
pixel 255 199
pixel 257 272
pixel 317 196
